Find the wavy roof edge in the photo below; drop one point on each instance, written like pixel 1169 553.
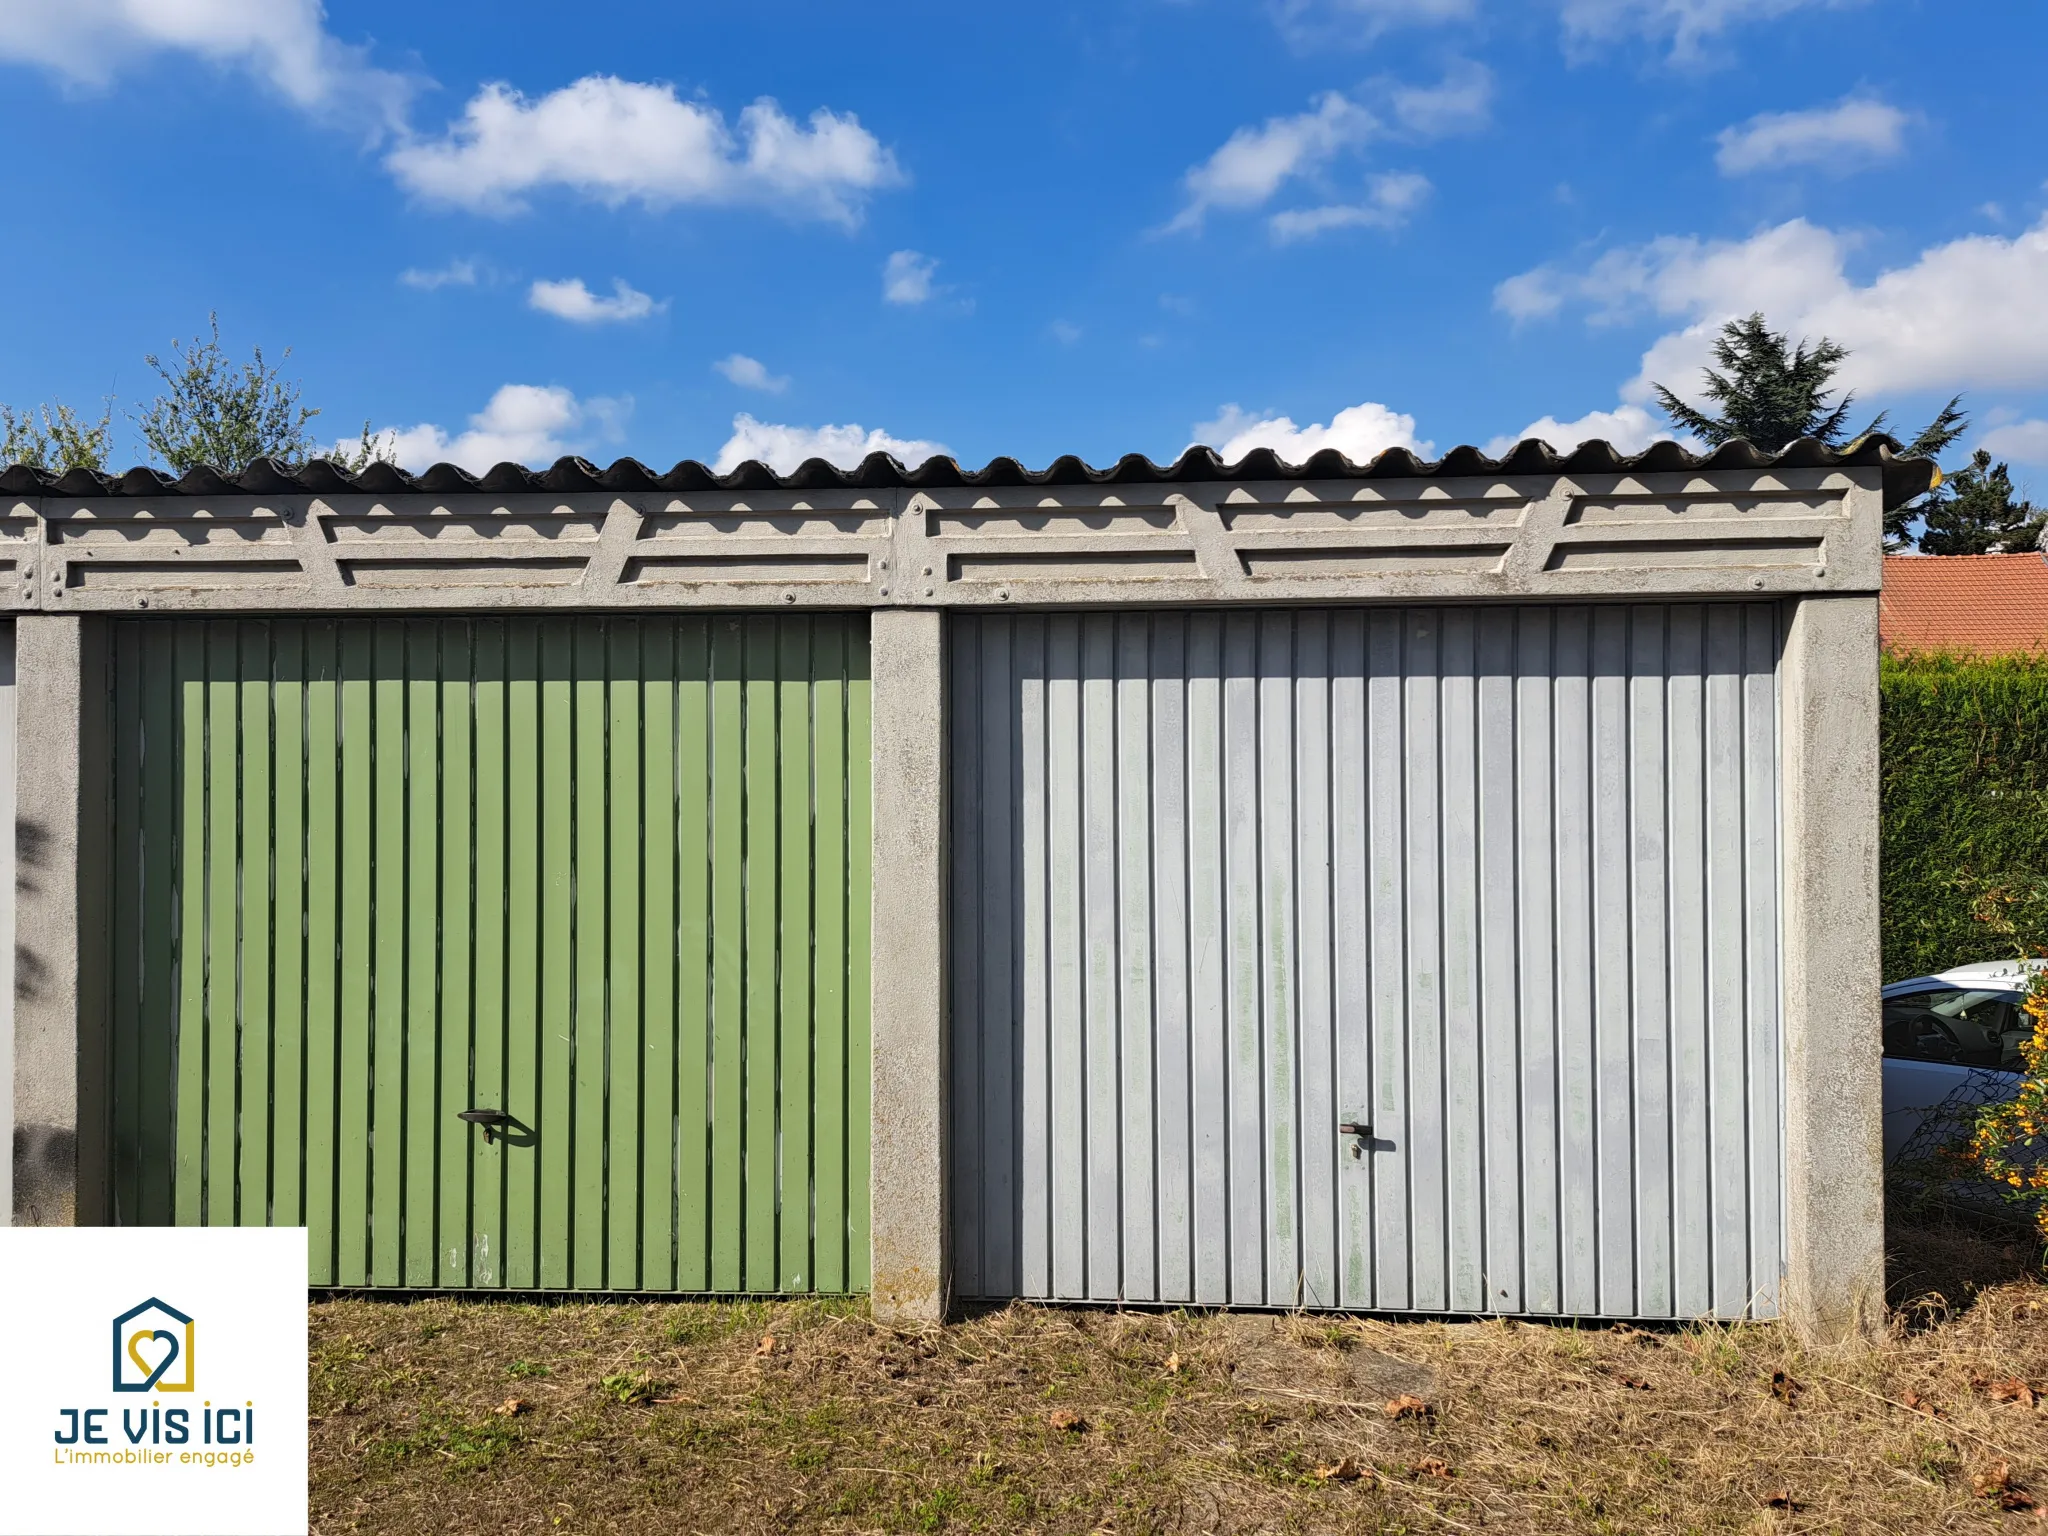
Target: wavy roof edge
pixel 1904 478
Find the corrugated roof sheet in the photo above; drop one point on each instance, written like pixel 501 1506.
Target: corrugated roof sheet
pixel 1987 605
pixel 1904 478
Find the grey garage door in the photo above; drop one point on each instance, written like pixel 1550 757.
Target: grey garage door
pixel 1497 886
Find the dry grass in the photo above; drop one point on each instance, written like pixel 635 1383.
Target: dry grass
pixel 674 1417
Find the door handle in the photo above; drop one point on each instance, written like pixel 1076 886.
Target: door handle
pixel 493 1121
pixel 1360 1133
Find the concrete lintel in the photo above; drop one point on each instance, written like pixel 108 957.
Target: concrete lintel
pixel 1496 536
pixel 60 1146
pixel 912 1274
pixel 1834 1101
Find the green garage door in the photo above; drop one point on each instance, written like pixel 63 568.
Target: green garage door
pixel 607 877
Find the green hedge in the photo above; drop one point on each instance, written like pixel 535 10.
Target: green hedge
pixel 1964 758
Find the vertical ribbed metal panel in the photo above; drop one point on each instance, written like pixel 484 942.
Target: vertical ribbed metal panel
pixel 7 856
pixel 606 875
pixel 1501 882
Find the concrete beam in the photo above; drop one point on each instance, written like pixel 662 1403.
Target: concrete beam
pixel 60 1108
pixel 1483 536
pixel 1834 1099
pixel 912 1273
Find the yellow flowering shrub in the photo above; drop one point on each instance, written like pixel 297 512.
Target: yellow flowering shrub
pixel 2011 1140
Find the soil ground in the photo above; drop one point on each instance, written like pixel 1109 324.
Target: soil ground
pixel 736 1417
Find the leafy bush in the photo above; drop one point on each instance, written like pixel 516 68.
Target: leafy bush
pixel 2011 1144
pixel 1964 764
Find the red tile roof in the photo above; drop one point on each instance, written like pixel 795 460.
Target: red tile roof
pixel 1991 605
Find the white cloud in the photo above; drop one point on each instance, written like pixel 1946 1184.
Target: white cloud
pixel 282 41
pixel 1629 427
pixel 1856 131
pixel 619 141
pixel 570 300
pixel 907 277
pixel 530 424
pixel 1533 295
pixel 1688 24
pixel 2023 441
pixel 1461 103
pixel 751 373
pixel 1359 432
pixel 1254 163
pixel 783 448
pixel 457 274
pixel 1390 199
pixel 1066 333
pixel 1964 315
pixel 1307 22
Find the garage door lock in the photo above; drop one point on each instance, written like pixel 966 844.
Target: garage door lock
pixel 1359 1132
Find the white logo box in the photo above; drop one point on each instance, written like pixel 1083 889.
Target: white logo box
pixel 88 1445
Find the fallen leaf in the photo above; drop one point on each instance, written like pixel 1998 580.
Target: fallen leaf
pixel 512 1407
pixel 1406 1406
pixel 1066 1421
pixel 1434 1466
pixel 1349 1470
pixel 1782 1499
pixel 1995 1482
pixel 767 1346
pixel 1785 1389
pixel 1919 1404
pixel 2013 1390
pixel 1173 1362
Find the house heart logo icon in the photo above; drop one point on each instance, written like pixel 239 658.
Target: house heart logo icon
pixel 153 1346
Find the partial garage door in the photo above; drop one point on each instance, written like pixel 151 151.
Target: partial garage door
pixel 7 879
pixel 606 877
pixel 1494 888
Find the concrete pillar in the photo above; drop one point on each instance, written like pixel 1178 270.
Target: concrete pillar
pixel 60 1154
pixel 912 1273
pixel 1834 1099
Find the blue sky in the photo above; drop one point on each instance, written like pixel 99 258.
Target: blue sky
pixel 517 230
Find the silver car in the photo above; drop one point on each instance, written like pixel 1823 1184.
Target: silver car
pixel 1951 1045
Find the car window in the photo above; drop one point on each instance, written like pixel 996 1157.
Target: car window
pixel 1957 1025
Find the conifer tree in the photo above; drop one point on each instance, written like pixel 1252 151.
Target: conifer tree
pixel 1974 512
pixel 1771 393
